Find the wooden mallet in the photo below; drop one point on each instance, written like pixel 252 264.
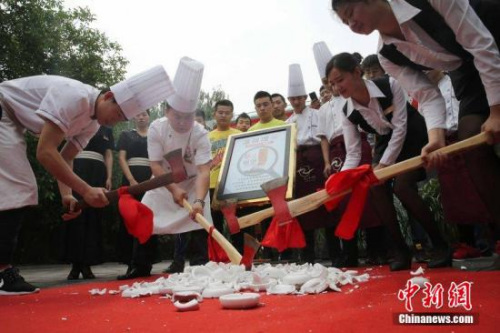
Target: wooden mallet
pixel 311 202
pixel 177 174
pixel 231 252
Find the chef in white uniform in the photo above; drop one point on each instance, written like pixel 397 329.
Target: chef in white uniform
pixel 178 130
pixel 55 109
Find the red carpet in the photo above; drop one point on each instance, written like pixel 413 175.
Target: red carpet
pixel 369 308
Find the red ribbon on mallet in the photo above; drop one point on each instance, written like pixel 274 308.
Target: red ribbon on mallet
pixel 138 217
pixel 359 180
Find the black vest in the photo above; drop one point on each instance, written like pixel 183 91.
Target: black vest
pixel 416 133
pixel 385 102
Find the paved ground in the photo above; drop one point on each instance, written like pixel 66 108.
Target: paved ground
pixel 55 275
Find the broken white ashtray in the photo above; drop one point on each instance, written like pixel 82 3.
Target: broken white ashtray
pixel 240 301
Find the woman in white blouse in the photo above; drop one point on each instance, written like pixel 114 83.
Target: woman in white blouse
pixel 379 107
pixel 460 37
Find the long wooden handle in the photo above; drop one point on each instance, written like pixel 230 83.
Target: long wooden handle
pixel 140 188
pixel 177 174
pixel 313 201
pixel 231 252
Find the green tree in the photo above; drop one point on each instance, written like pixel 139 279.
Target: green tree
pixel 42 37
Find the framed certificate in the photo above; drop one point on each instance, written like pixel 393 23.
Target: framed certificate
pixel 253 158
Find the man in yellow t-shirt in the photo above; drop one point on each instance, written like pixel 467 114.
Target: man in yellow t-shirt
pixel 223 113
pixel 264 107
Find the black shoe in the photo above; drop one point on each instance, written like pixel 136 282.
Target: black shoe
pixel 402 261
pixel 441 258
pixel 74 274
pixel 175 267
pixel 11 283
pixel 87 273
pixel 136 272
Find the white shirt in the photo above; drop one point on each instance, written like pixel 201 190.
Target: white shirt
pixel 68 103
pixel 163 139
pixel 330 121
pixel 307 126
pixel 422 49
pixel 452 104
pixel 373 115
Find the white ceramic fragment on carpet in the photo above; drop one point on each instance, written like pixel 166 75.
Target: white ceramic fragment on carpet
pixel 314 286
pixel 192 305
pixel 281 289
pixel 240 301
pixel 419 280
pixel 419 271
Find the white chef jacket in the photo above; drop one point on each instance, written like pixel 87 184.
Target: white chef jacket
pixel 422 49
pixel 373 114
pixel 307 126
pixel 170 218
pixel 330 119
pixel 68 103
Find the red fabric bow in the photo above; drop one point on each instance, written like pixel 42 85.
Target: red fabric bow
pixel 138 217
pixel 284 231
pixel 215 251
pixel 359 180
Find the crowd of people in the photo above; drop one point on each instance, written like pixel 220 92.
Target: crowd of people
pixel 434 80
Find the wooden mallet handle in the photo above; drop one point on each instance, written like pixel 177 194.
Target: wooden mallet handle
pixel 177 174
pixel 311 202
pixel 231 252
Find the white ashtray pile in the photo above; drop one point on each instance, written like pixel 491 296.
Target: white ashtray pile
pixel 239 289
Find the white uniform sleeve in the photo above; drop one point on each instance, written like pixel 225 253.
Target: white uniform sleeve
pixel 431 103
pixel 352 139
pixel 155 146
pixel 475 38
pixel 322 121
pixel 400 121
pixel 64 106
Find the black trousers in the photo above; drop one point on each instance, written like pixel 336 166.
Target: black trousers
pixel 10 225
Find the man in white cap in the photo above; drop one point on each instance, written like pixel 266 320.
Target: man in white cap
pixel 56 109
pixel 309 174
pixel 179 130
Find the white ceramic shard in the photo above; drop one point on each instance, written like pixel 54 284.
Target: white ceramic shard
pixel 362 278
pixel 186 296
pixel 260 286
pixel 192 288
pixel 419 280
pixel 97 291
pixel 314 286
pixel 333 286
pixel 240 301
pixel 419 271
pixel 281 289
pixel 216 292
pixel 297 278
pixel 192 305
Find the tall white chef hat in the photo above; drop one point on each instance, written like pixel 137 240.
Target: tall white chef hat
pixel 187 83
pixel 322 55
pixel 296 85
pixel 142 91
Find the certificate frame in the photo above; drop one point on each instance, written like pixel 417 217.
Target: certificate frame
pixel 252 158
